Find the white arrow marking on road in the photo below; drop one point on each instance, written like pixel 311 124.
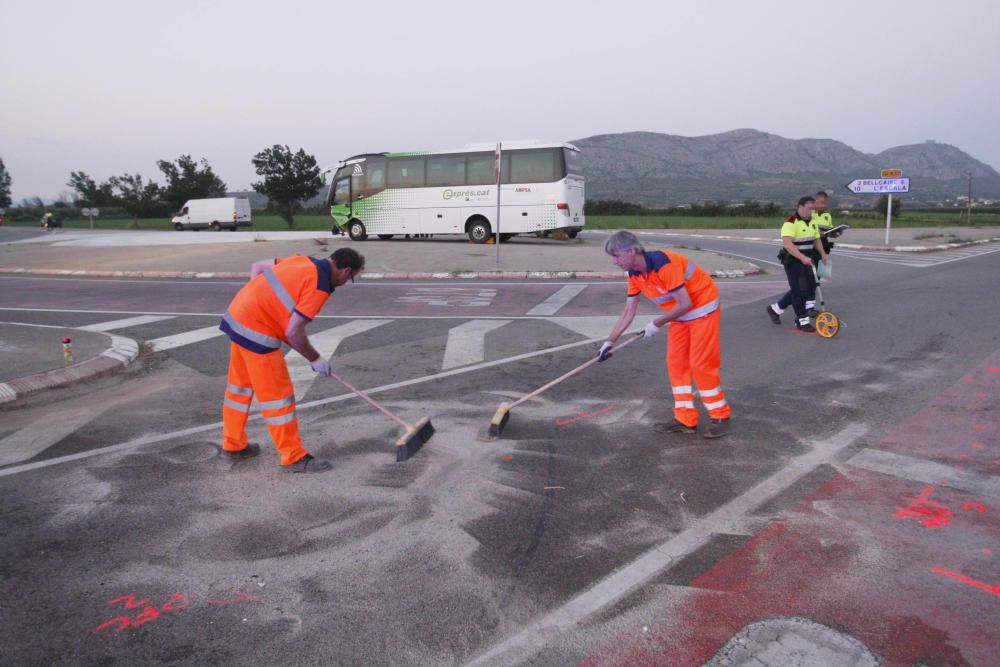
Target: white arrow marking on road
pixel 186 338
pixel 552 305
pixel 111 325
pixel 590 327
pixel 467 342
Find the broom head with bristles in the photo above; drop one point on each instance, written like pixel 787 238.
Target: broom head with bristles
pixel 413 439
pixel 500 419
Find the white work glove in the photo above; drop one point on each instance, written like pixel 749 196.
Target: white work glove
pixel 605 352
pixel 320 366
pixel 650 330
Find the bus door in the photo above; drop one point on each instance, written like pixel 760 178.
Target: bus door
pixel 340 203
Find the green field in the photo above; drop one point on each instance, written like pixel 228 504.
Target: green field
pixel 266 222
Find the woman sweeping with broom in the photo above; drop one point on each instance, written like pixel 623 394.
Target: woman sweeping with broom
pixel 690 301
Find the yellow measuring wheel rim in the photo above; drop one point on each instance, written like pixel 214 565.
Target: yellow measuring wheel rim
pixel 827 324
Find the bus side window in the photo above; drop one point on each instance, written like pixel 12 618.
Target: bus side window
pixel 374 176
pixel 446 170
pixel 406 172
pixel 480 169
pixel 537 166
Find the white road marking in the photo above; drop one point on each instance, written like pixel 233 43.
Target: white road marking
pixel 552 305
pixel 186 338
pixel 730 517
pixel 217 426
pixel 125 323
pixel 31 440
pixel 592 327
pixel 923 470
pixel 448 296
pixel 467 342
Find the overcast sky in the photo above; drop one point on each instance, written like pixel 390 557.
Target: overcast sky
pixel 109 87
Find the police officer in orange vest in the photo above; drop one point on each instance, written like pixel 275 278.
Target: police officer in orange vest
pixel 282 297
pixel 690 299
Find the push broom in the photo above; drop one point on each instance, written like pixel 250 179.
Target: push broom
pixel 414 435
pixel 502 415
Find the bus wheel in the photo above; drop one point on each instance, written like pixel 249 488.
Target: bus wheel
pixel 215 226
pixel 479 231
pixel 506 237
pixel 385 237
pixel 178 226
pixel 573 232
pixel 356 230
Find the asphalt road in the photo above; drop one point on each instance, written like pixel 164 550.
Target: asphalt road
pixel 580 536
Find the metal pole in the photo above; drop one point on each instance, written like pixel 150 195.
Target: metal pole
pixel 91 216
pixel 968 203
pixel 499 180
pixel 888 219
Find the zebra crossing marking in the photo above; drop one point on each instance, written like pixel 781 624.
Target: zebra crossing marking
pixel 185 338
pixel 113 325
pixel 467 342
pixel 554 303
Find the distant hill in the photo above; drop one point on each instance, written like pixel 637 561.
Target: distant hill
pixel 669 170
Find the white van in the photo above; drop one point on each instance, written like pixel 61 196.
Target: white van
pixel 221 213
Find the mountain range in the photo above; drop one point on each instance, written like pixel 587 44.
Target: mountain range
pixel 669 170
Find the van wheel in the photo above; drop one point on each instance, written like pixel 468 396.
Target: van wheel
pixel 356 230
pixel 215 226
pixel 573 232
pixel 479 231
pixel 385 237
pixel 178 226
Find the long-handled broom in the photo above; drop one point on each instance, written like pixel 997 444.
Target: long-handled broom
pixel 414 435
pixel 502 415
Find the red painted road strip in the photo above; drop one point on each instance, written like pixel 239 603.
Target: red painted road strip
pixel 902 566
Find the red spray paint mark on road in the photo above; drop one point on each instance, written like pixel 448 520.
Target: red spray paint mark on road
pixel 986 552
pixel 980 427
pixel 966 580
pixel 931 514
pixel 175 602
pixel 506 457
pixel 976 445
pixel 994 370
pixel 973 406
pixel 585 415
pixel 979 507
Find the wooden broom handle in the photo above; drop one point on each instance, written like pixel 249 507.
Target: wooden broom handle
pixel 631 339
pixel 370 401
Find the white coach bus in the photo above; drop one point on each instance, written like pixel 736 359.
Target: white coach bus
pixel 454 192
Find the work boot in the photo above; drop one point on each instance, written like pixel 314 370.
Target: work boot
pixel 248 452
pixel 717 428
pixel 674 427
pixel 775 317
pixel 307 463
pixel 806 328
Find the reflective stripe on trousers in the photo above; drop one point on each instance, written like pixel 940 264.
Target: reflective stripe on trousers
pixel 265 375
pixel 693 353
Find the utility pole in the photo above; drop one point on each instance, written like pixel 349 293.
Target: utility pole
pixel 968 203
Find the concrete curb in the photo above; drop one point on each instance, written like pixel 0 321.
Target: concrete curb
pixel 441 275
pixel 849 246
pixel 123 351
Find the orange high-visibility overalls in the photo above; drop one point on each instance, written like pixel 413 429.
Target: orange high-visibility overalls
pixel 693 338
pixel 255 322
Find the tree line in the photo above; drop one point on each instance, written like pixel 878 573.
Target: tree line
pixel 288 179
pixel 749 209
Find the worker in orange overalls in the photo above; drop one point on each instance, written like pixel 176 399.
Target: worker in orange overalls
pixel 690 300
pixel 282 297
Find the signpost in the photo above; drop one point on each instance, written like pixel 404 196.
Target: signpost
pixel 892 181
pixel 496 173
pixel 91 213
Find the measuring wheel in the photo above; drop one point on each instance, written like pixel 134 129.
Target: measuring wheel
pixel 827 324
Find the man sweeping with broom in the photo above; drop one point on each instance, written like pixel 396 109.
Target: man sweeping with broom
pixel 690 301
pixel 282 297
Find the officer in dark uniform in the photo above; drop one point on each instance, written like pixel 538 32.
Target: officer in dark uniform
pixel 801 248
